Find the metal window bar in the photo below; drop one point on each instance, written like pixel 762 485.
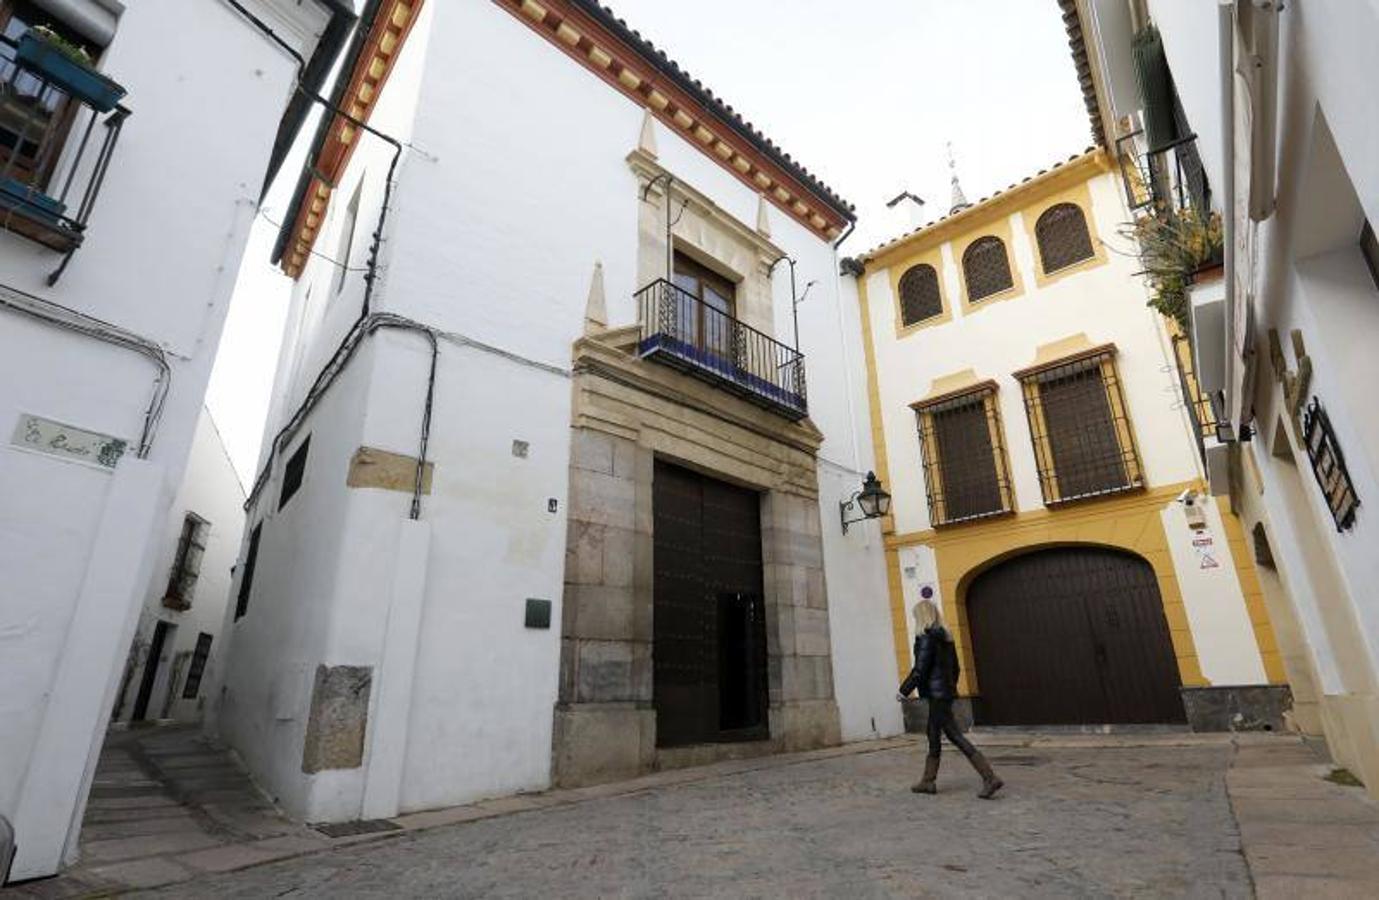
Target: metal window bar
pixel 49 182
pixel 680 330
pixel 986 268
pixel 962 448
pixel 1083 443
pixel 1196 401
pixel 1172 178
pixel 1062 236
pixel 919 295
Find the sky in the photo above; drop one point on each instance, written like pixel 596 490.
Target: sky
pixel 866 94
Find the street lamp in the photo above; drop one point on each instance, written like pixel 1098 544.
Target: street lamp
pixel 872 499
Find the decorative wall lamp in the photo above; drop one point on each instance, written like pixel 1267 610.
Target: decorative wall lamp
pixel 872 500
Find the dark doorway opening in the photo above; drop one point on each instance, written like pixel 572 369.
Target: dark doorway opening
pixel 152 663
pixel 1072 636
pixel 709 658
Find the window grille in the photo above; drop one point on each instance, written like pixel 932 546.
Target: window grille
pixel 963 449
pixel 986 268
pixel 1195 400
pixel 186 565
pixel 246 583
pixel 293 473
pixel 919 294
pixel 1061 233
pixel 1083 444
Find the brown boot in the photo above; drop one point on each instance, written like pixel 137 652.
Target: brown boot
pixel 990 783
pixel 926 784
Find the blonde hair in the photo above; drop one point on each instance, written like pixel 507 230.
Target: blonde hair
pixel 926 615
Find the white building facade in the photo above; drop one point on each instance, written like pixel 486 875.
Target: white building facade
pixel 173 657
pixel 127 204
pixel 1039 438
pixel 1278 97
pixel 547 500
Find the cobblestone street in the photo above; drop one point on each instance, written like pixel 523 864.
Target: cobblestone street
pixel 1081 815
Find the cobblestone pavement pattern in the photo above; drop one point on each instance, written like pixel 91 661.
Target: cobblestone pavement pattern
pixel 1071 822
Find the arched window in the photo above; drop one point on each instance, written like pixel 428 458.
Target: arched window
pixel 1062 236
pixel 986 268
pixel 919 294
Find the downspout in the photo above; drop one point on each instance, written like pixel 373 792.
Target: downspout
pixel 1225 29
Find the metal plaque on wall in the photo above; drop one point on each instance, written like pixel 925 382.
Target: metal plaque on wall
pixel 1329 465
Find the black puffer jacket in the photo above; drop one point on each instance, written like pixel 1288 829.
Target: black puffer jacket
pixel 936 666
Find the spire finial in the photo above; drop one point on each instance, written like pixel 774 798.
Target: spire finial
pixel 959 198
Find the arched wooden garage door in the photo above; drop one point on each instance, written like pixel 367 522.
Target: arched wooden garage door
pixel 1072 635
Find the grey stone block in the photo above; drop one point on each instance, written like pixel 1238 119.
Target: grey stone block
pixel 619 563
pixel 601 743
pixel 1238 707
pixel 604 672
pixel 602 499
pixel 811 631
pixel 591 451
pixel 600 612
pixel 339 718
pixel 584 553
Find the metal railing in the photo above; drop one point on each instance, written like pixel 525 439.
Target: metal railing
pixel 51 169
pixel 1197 403
pixel 679 329
pixel 1169 179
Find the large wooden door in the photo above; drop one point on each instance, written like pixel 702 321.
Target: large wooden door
pixel 1072 635
pixel 708 625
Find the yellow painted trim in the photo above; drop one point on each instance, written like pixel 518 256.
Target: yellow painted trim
pixel 1242 552
pixel 1080 169
pixel 878 440
pixel 1127 522
pixel 931 257
pixel 1079 195
pixel 998 229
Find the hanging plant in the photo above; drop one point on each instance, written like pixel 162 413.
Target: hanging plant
pixel 1174 248
pixel 74 52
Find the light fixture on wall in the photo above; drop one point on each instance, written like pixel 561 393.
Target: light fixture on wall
pixel 872 500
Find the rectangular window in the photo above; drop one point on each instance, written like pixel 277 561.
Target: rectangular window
pixel 35 117
pixel 293 473
pixel 1083 444
pixel 963 448
pixel 342 256
pixel 186 565
pixel 246 583
pixel 707 314
pixel 197 668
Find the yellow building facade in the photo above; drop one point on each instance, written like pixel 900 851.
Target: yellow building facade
pixel 1033 422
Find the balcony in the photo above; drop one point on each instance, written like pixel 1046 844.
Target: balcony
pixel 1167 179
pixel 53 157
pixel 679 330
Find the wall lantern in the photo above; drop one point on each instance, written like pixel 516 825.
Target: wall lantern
pixel 872 499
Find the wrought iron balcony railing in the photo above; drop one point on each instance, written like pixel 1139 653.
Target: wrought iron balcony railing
pixel 1170 179
pixel 680 330
pixel 51 169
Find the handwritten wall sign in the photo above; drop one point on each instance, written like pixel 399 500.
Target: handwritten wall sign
pixel 56 439
pixel 1329 465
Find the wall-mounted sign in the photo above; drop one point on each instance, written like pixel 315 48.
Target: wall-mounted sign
pixel 1329 465
pixel 56 439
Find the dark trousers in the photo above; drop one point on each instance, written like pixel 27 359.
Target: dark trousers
pixel 940 723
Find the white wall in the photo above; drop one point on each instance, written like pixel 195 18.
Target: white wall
pixel 161 250
pixel 1107 303
pixel 502 208
pixel 211 490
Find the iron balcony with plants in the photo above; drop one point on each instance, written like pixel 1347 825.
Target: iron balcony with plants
pixel 60 120
pixel 680 330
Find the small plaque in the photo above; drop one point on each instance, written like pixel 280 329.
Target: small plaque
pixel 538 613
pixel 56 439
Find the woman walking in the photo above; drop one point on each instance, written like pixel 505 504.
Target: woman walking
pixel 936 676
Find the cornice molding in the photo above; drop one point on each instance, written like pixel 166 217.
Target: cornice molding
pixel 620 66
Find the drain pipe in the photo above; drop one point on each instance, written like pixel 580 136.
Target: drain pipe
pixel 1225 24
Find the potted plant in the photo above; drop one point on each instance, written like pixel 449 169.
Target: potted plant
pixel 69 67
pixel 1176 249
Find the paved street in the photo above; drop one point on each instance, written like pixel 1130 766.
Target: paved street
pixel 1082 815
pixel 1075 819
